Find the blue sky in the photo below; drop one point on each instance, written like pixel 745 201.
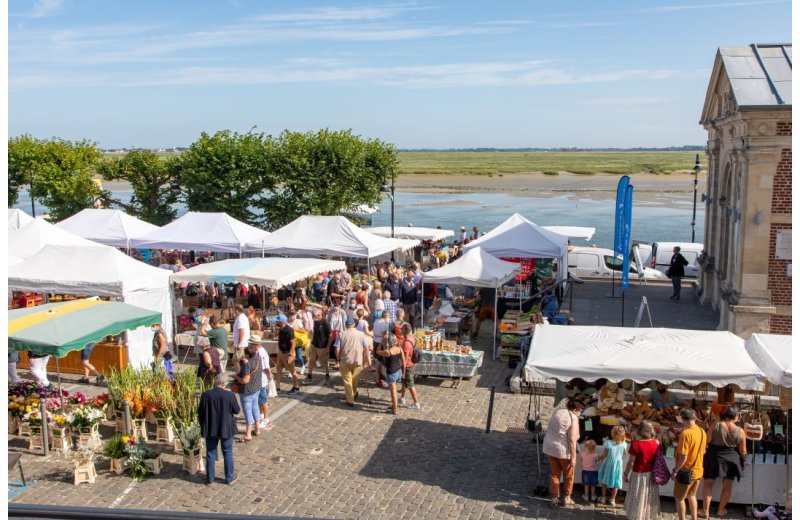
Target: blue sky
pixel 420 74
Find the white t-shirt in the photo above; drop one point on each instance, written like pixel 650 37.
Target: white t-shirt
pixel 379 328
pixel 262 354
pixel 241 331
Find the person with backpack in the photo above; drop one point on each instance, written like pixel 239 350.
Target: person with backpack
pixel 413 355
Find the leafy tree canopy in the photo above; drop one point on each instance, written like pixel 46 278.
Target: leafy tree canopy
pixel 225 172
pixel 59 171
pixel 150 178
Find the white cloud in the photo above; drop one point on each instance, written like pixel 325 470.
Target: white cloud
pixel 451 75
pixel 667 8
pixel 578 25
pixel 43 8
pixel 335 14
pixel 626 100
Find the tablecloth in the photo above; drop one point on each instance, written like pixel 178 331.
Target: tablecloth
pixel 449 364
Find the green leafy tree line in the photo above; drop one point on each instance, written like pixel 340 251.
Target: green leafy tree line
pixel 262 180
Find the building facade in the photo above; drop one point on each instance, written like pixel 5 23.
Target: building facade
pixel 747 263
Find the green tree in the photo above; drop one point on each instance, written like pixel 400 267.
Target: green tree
pixel 59 171
pixel 325 173
pixel 225 172
pixel 150 178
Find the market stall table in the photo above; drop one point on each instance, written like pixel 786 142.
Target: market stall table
pixel 449 364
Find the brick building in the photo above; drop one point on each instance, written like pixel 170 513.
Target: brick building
pixel 748 116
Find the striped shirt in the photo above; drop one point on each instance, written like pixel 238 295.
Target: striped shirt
pixel 391 307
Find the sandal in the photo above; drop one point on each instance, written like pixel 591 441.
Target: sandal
pixel 243 439
pixel 391 411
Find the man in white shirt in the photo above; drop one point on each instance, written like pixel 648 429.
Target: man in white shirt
pixel 241 335
pixel 263 395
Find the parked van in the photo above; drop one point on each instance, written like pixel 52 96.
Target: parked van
pixel 662 254
pixel 596 262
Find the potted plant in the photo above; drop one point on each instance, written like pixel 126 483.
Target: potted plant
pixel 192 445
pixel 60 438
pixel 82 457
pixel 85 421
pixel 114 449
pixel 159 399
pixel 34 420
pixel 141 459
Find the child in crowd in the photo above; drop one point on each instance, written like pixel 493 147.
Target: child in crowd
pixel 589 456
pixel 610 472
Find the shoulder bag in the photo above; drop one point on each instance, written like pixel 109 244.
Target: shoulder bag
pixel 236 387
pixel 660 473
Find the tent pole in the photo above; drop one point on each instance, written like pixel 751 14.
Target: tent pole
pixel 494 333
pixel 422 306
pixel 60 393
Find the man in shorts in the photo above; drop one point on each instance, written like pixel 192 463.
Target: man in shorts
pixel 263 397
pixel 88 368
pixel 688 455
pixel 407 343
pixel 286 353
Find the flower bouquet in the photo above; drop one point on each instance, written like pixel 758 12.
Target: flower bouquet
pixel 114 449
pixel 192 444
pixel 82 457
pixel 85 420
pixel 60 438
pixel 34 420
pixel 141 459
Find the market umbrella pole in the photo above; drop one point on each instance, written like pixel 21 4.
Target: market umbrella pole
pixel 60 393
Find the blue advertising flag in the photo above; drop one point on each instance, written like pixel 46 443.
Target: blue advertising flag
pixel 623 184
pixel 627 220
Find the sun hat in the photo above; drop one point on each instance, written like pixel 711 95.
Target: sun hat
pixel 255 339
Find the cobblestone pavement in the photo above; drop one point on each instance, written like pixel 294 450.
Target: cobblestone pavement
pixel 323 459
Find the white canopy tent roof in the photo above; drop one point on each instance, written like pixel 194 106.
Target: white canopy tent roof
pixel 518 237
pixel 641 354
pixel 573 232
pixel 31 238
pixel 98 270
pixel 196 231
pixel 312 235
pixel 110 227
pixel 17 218
pixel 273 272
pixel 773 354
pixel 415 233
pixel 475 268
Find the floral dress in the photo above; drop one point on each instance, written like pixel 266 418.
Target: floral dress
pixel 610 472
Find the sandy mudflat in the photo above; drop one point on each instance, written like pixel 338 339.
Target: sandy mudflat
pixel 647 186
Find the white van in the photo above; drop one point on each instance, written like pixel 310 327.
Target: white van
pixel 596 262
pixel 662 254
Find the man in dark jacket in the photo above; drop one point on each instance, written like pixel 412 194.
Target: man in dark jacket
pixel 216 413
pixel 676 272
pixel 320 342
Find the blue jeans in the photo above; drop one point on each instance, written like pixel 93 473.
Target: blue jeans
pixel 211 457
pixel 676 286
pixel 299 355
pixel 250 408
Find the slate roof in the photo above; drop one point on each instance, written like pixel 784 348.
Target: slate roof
pixel 760 74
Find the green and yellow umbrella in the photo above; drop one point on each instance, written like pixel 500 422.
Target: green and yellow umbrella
pixel 58 328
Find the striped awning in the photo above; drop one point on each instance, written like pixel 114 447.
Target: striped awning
pixel 58 328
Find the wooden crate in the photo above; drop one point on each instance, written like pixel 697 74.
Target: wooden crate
pixel 104 356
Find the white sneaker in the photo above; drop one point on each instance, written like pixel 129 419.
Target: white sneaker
pixel 319 365
pixel 612 503
pixel 401 401
pixel 302 370
pixel 415 406
pixel 585 498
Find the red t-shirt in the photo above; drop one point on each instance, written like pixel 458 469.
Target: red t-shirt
pixel 408 349
pixel 645 453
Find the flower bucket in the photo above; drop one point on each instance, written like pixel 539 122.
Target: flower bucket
pixel 119 421
pixel 108 409
pixel 116 466
pixel 150 417
pixel 87 433
pixel 24 428
pixel 35 442
pixel 60 438
pixel 154 465
pixel 13 424
pixel 85 473
pixel 177 445
pixel 193 461
pixel 139 428
pixel 164 431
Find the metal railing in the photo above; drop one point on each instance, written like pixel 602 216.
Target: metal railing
pixel 49 512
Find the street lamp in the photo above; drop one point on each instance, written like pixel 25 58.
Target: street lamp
pixel 697 169
pixel 385 188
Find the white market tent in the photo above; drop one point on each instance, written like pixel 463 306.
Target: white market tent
pixel 313 235
pixel 196 231
pixel 641 354
pixel 573 232
pixel 414 233
pixel 98 270
pixel 31 238
pixel 273 272
pixel 773 354
pixel 17 218
pixel 110 227
pixel 518 237
pixel 476 268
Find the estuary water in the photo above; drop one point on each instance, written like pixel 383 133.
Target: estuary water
pixel 655 219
